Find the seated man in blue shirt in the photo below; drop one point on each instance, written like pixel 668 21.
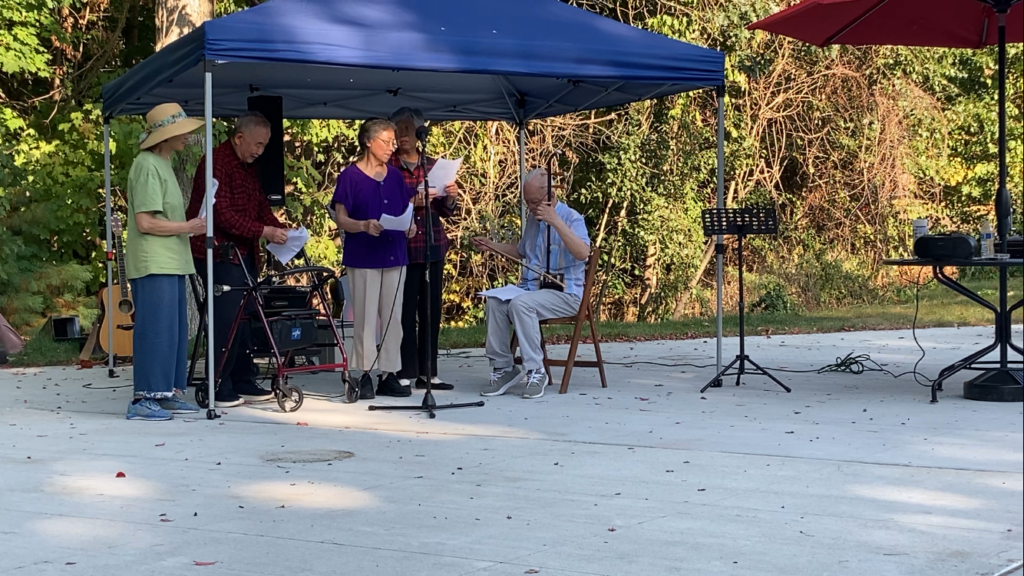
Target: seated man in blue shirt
pixel 570 248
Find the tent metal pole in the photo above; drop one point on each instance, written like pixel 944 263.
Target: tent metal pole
pixel 719 245
pixel 522 176
pixel 110 247
pixel 211 363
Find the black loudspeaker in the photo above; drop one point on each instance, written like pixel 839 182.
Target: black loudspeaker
pixel 945 247
pixel 271 162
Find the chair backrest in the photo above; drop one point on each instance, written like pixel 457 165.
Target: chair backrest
pixel 588 283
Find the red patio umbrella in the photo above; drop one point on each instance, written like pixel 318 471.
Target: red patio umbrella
pixel 933 23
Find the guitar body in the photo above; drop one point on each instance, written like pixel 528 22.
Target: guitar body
pixel 116 306
pixel 112 310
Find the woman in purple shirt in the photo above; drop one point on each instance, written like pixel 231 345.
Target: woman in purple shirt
pixel 375 258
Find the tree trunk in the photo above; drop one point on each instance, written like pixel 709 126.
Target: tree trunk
pixel 176 18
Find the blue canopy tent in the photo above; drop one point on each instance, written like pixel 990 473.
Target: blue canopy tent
pixel 453 59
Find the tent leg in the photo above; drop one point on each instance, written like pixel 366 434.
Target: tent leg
pixel 211 363
pixel 110 243
pixel 719 245
pixel 522 176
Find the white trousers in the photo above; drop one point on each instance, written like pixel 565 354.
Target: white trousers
pixel 377 294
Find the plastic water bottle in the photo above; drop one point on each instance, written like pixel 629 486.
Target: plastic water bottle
pixel 987 240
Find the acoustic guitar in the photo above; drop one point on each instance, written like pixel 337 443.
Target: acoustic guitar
pixel 116 306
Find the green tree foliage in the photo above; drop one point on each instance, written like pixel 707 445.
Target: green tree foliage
pixel 848 143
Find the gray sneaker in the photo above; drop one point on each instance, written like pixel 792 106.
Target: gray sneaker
pixel 501 381
pixel 536 382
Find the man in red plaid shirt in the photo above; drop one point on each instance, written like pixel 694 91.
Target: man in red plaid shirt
pixel 423 258
pixel 242 217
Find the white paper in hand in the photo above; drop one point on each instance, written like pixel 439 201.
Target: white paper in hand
pixel 504 293
pixel 213 198
pixel 442 174
pixel 296 240
pixel 401 223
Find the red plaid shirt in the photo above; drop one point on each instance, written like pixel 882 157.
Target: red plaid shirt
pixel 240 211
pixel 438 208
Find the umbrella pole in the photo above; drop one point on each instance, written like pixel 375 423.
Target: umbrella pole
pixel 1003 208
pixel 111 361
pixel 719 245
pixel 522 176
pixel 211 365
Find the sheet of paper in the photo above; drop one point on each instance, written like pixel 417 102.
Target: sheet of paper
pixel 397 222
pixel 296 240
pixel 442 174
pixel 504 293
pixel 213 196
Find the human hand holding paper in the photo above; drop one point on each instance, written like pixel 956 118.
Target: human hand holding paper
pixel 442 174
pixel 296 240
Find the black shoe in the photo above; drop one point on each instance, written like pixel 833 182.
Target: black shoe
pixel 421 384
pixel 366 387
pixel 251 390
pixel 390 386
pixel 227 400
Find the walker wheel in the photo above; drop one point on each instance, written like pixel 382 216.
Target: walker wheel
pixel 201 396
pixel 289 397
pixel 351 390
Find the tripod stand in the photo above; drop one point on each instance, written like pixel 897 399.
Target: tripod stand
pixel 429 405
pixel 740 222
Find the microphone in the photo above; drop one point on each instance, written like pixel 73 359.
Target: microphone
pixel 422 132
pixel 219 289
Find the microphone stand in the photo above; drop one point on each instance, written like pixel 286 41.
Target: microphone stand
pixel 429 405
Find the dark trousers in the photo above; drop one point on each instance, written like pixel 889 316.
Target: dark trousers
pixel 238 364
pixel 416 325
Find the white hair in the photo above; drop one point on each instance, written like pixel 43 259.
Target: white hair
pixel 406 113
pixel 537 174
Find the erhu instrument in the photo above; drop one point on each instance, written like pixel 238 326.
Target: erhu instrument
pixel 549 281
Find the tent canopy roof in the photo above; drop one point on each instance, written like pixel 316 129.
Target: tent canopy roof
pixel 453 59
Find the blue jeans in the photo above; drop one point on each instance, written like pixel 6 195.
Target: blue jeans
pixel 160 336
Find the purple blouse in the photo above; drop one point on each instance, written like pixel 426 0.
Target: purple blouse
pixel 364 198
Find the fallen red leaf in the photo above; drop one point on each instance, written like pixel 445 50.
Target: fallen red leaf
pixel 302 423
pixel 644 399
pixel 198 563
pixel 612 529
pixel 120 475
pixel 166 520
pixel 160 444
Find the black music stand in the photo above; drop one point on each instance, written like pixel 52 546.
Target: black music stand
pixel 429 405
pixel 740 222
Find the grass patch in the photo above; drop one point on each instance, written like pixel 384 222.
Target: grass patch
pixel 939 307
pixel 42 351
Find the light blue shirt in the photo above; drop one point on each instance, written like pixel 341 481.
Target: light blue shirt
pixel 534 242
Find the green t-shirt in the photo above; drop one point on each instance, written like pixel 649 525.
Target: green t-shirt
pixel 153 188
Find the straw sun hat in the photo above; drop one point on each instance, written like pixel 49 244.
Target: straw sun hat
pixel 164 122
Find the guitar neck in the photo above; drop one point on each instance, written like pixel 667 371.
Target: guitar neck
pixel 122 273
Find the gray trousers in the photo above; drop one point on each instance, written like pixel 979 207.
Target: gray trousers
pixel 524 313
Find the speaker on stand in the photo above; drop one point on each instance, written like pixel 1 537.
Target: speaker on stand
pixel 271 162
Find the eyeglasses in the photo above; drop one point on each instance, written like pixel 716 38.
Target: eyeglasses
pixel 391 143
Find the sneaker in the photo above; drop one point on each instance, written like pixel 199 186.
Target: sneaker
pixel 536 382
pixel 251 390
pixel 147 410
pixel 227 400
pixel 435 384
pixel 366 387
pixel 501 381
pixel 175 405
pixel 390 386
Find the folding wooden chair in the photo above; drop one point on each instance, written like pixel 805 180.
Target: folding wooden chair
pixel 585 315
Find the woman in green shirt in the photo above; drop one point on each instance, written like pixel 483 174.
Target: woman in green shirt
pixel 158 259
